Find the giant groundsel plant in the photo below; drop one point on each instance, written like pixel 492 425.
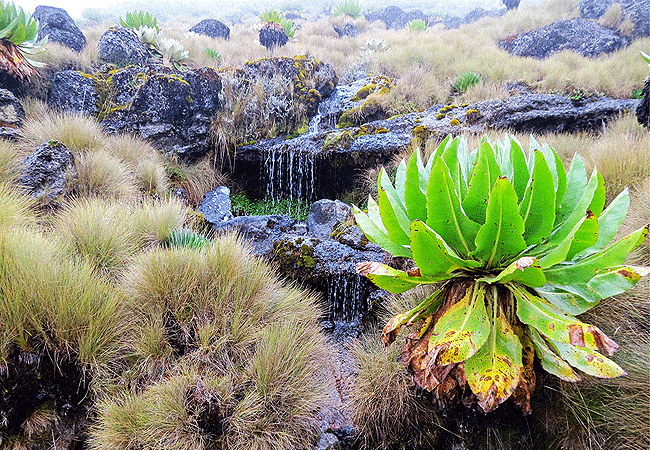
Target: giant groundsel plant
pixel 519 247
pixel 18 38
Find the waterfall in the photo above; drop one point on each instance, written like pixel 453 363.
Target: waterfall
pixel 347 298
pixel 288 174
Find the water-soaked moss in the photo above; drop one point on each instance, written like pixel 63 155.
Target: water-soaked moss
pixel 364 92
pixel 296 258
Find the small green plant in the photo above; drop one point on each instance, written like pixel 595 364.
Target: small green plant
pixel 465 81
pixel 274 16
pixel 375 45
pixel 18 38
pixel 138 19
pixel 296 209
pixel 183 237
pixel 350 8
pixel 214 54
pixel 416 25
pixel 520 246
pixel 172 52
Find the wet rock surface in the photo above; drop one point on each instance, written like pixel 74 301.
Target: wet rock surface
pixel 212 28
pixel 580 35
pixel 48 171
pixel 122 47
pixel 215 206
pixel 72 91
pixel 325 215
pixel 59 27
pixel 12 113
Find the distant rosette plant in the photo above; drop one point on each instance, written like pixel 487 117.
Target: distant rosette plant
pixel 518 248
pixel 19 38
pixel 350 8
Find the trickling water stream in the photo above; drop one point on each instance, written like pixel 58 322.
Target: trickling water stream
pixel 347 298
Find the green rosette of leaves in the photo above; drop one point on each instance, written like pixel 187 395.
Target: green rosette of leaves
pixel 519 247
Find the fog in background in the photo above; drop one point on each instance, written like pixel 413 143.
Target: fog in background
pixel 236 11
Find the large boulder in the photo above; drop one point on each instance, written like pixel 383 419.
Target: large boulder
pixel 395 17
pixel 73 91
pixel 173 110
pixel 212 28
pixel 580 35
pixel 272 35
pixel 325 215
pixel 215 206
pixel 349 29
pixel 638 11
pixel 122 47
pixel 59 27
pixel 48 171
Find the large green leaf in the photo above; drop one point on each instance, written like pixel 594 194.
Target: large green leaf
pixel 538 205
pixel 415 188
pixel 396 281
pixel 520 175
pixel 429 306
pixel 485 173
pixel 392 210
pixel 431 254
pixel 500 237
pixel 576 185
pixel 400 181
pixel 558 326
pixel 600 198
pixel 585 237
pixel 565 300
pixel 616 280
pixel 608 223
pixel 584 270
pixel 555 254
pixel 525 270
pixel 493 372
pixel 551 362
pixel 462 329
pixel 376 232
pixel 451 158
pixel 445 215
pixel 590 362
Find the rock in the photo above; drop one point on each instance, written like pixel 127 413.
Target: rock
pixel 638 12
pixel 127 81
pixel 12 113
pixel 396 18
pixel 173 110
pixel 122 46
pixel 48 170
pixel 473 16
pixel 643 109
pixel 73 91
pixel 272 35
pixel 212 28
pixel 328 441
pixel 261 231
pixel 215 206
pixel 325 215
pixel 353 237
pixel 349 29
pixel 580 35
pixel 59 27
pixel 511 4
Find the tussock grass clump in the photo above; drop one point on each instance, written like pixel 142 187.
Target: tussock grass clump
pixel 9 162
pixel 102 174
pixel 196 179
pixel 15 208
pixel 153 222
pixel 76 131
pixel 222 353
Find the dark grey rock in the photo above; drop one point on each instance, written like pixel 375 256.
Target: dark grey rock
pixel 473 16
pixel 127 81
pixel 59 26
pixel 48 171
pixel 70 90
pixel 12 113
pixel 261 231
pixel 643 109
pixel 122 46
pixel 396 18
pixel 272 36
pixel 638 11
pixel 173 110
pixel 215 206
pixel 580 35
pixel 511 4
pixel 355 238
pixel 212 28
pixel 349 29
pixel 325 215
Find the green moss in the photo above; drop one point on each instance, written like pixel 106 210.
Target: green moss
pixel 454 122
pixel 349 118
pixel 364 92
pixel 421 132
pixel 440 116
pixel 381 130
pixel 341 139
pixel 296 259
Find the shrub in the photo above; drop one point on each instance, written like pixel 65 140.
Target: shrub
pixel 521 245
pixel 350 8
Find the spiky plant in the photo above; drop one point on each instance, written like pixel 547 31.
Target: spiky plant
pixel 416 25
pixel 18 38
pixel 350 8
pixel 272 16
pixel 465 81
pixel 138 19
pixel 173 53
pixel 183 237
pixel 520 247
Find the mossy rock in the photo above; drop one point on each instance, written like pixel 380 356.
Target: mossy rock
pixel 295 256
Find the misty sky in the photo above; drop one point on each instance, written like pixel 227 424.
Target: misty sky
pixel 73 7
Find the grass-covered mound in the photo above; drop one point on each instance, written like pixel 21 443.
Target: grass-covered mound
pixel 111 334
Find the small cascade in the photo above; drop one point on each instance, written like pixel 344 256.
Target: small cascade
pixel 288 174
pixel 347 298
pixel 327 114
